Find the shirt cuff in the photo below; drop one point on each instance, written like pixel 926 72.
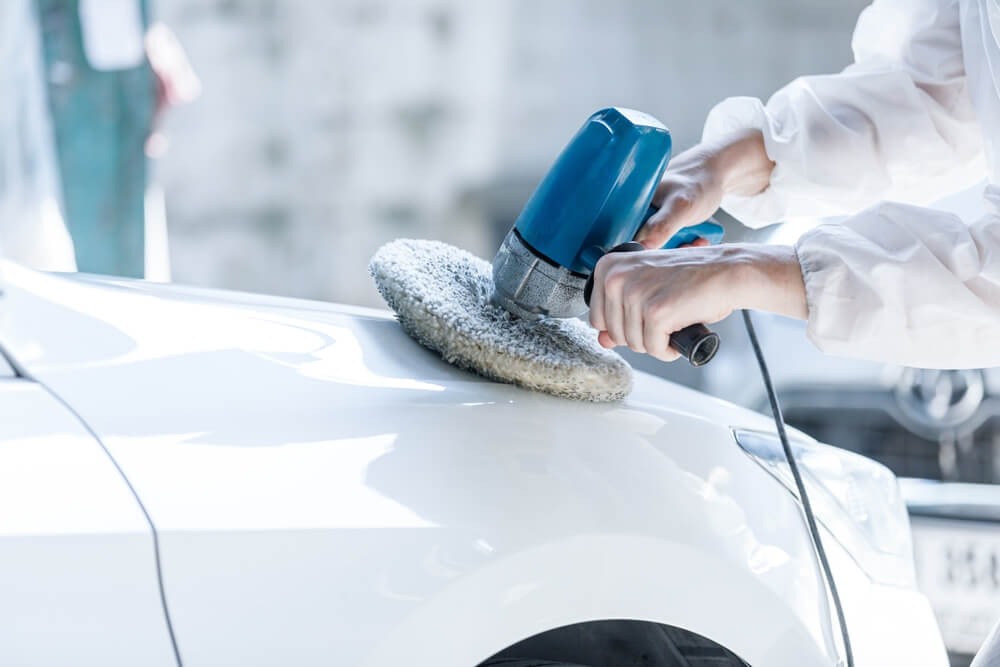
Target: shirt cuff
pixel 832 309
pixel 772 204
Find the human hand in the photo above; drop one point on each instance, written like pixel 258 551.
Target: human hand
pixel 696 181
pixel 175 80
pixel 640 298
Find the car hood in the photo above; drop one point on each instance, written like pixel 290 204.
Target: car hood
pixel 313 447
pixel 204 389
pixel 199 346
pixel 177 377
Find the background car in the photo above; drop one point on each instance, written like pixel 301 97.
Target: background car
pixel 228 479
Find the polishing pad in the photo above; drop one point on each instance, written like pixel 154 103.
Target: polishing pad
pixel 441 296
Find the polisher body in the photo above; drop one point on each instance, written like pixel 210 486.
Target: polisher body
pixel 595 197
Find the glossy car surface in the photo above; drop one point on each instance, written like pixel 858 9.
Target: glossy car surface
pixel 227 479
pixel 938 430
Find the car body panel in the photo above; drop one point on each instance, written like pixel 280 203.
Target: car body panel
pixel 6 370
pixel 328 491
pixel 811 383
pixel 77 560
pixel 888 625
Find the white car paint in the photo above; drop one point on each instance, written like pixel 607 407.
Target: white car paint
pixel 326 491
pixel 77 566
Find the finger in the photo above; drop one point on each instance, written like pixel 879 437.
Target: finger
pixel 605 340
pixel 614 309
pixel 632 308
pixel 672 327
pixel 674 214
pixel 614 318
pixel 663 350
pixel 656 333
pixel 657 230
pixel 597 299
pixel 655 338
pixel 670 355
pixel 697 243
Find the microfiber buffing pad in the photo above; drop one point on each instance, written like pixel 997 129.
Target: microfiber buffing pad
pixel 441 296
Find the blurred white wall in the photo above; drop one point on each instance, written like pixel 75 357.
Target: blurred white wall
pixel 328 128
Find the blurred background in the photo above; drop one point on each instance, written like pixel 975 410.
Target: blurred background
pixel 273 145
pixel 325 129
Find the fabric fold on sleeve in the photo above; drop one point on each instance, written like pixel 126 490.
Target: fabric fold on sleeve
pixel 898 124
pixel 903 284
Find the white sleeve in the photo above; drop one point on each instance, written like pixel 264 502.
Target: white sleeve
pixel 907 285
pixel 897 124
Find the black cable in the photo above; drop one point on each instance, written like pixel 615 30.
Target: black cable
pixel 779 422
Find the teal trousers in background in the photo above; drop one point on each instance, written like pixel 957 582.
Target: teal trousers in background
pixel 101 120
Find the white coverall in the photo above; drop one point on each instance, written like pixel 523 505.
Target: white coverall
pixel 916 117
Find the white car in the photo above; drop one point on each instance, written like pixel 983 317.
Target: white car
pixel 205 478
pixel 939 430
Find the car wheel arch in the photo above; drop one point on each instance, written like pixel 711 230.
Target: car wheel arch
pixel 567 582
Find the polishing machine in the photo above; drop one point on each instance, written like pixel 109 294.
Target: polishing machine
pixel 592 201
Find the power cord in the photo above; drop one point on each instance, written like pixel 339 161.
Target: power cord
pixel 779 422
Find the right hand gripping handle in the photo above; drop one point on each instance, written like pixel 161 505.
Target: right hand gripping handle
pixel 696 343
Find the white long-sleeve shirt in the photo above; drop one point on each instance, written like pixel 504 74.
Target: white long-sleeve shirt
pixel 917 116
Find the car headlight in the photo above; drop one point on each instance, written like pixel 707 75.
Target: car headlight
pixel 856 499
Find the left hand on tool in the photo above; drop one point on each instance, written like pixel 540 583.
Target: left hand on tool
pixel 640 298
pixel 696 181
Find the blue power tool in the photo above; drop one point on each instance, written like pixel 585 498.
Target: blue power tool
pixel 592 201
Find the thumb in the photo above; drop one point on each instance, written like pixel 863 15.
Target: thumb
pixel 676 212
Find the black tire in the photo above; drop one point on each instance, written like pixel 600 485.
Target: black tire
pixel 621 643
pixel 527 662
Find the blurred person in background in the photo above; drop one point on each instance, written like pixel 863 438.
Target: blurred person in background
pixel 31 222
pixel 110 74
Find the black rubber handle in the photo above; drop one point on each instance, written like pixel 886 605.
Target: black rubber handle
pixel 696 343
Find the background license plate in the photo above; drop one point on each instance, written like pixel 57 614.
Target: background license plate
pixel 958 569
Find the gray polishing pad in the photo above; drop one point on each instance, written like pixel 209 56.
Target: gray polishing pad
pixel 441 296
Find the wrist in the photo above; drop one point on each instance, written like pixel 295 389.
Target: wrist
pixel 742 163
pixel 769 278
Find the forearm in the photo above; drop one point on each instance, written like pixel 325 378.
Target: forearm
pixel 775 283
pixel 742 162
pixel 764 277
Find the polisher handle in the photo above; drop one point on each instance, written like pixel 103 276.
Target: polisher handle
pixel 709 230
pixel 696 343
